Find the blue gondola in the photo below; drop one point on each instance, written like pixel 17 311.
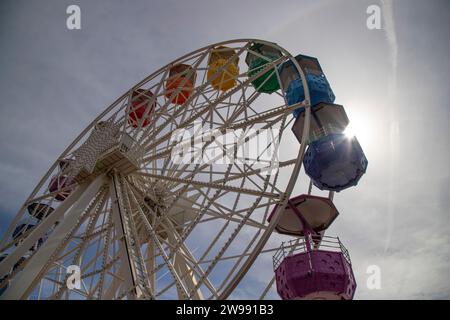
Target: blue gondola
pixel 319 88
pixel 20 229
pixel 39 210
pixel 335 162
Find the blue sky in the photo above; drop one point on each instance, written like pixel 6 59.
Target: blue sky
pixel 54 81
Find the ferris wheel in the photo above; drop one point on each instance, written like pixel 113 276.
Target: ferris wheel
pixel 177 189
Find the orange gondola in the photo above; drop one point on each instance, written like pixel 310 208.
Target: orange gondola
pixel 180 84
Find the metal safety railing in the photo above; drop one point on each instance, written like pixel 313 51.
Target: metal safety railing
pixel 293 247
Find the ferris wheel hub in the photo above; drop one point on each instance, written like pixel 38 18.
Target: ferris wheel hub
pixel 119 153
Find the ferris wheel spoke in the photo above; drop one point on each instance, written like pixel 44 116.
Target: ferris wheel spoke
pixel 136 284
pixel 150 230
pixel 132 236
pixel 251 171
pixel 75 257
pixel 167 225
pixel 187 271
pixel 265 237
pixel 244 104
pixel 58 284
pixel 191 173
pixel 98 233
pixel 188 229
pixel 242 173
pixel 105 253
pixel 51 195
pixel 214 262
pixel 219 234
pixel 178 112
pixel 213 186
pixel 39 231
pixel 183 170
pixel 258 175
pixel 63 289
pixel 230 217
pixel 42 228
pixel 206 207
pixel 76 248
pixel 221 252
pixel 116 283
pixel 239 258
pixel 58 240
pixel 85 240
pixel 245 253
pixel 222 212
pixel 150 261
pixel 208 108
pixel 214 108
pixel 235 232
pixel 232 117
pixel 187 265
pixel 91 239
pixel 244 125
pixel 102 270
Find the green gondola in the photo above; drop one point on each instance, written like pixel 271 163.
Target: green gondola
pixel 267 82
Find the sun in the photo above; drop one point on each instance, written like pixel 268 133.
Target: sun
pixel 349 132
pixel 361 126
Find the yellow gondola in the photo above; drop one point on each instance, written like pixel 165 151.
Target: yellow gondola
pixel 223 68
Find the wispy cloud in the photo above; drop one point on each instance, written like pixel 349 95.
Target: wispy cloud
pixel 391 36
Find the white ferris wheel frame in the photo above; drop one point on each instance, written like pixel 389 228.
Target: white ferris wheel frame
pixel 93 194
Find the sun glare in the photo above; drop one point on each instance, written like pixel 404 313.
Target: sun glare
pixel 349 132
pixel 361 127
